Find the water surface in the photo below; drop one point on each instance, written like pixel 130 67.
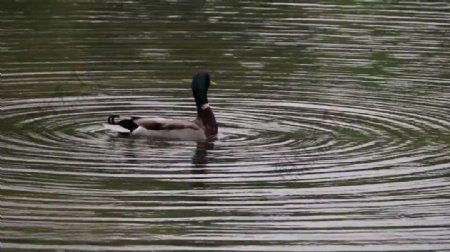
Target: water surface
pixel 334 124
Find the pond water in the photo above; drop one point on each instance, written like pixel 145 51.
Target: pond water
pixel 334 124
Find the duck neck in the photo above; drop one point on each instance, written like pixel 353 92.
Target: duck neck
pixel 203 107
pixel 201 98
pixel 206 116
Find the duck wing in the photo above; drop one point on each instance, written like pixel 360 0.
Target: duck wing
pixel 165 124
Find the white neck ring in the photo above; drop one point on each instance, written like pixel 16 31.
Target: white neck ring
pixel 205 106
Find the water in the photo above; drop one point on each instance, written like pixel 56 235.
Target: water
pixel 334 126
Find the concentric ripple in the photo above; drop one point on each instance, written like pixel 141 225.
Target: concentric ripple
pixel 271 140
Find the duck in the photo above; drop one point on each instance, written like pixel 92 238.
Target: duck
pixel 203 128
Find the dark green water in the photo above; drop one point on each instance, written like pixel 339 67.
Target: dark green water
pixel 334 124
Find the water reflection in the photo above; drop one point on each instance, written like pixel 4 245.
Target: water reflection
pixel 199 163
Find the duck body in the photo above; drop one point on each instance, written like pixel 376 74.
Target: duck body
pixel 202 128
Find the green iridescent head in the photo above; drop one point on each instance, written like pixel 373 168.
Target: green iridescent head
pixel 200 86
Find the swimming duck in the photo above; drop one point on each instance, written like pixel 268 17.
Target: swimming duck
pixel 202 128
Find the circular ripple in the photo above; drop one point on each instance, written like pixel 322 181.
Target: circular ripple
pixel 260 139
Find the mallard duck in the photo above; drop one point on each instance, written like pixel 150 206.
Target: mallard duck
pixel 202 128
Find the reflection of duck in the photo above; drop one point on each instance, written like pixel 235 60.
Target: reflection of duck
pixel 199 163
pixel 204 127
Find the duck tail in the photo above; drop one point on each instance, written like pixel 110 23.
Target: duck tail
pixel 111 119
pixel 124 126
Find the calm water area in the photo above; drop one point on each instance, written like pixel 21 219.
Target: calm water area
pixel 334 125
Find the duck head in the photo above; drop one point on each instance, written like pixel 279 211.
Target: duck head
pixel 200 86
